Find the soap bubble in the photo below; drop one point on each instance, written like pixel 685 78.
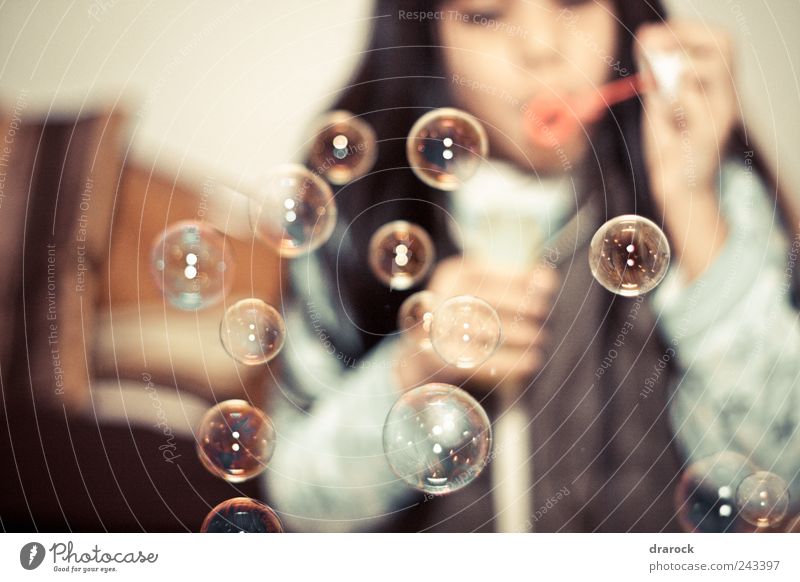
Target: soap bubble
pixel 242 515
pixel 763 499
pixel 629 255
pixel 192 265
pixel 252 332
pixel 445 147
pixel 465 331
pixel 235 441
pixel 705 498
pixel 343 148
pixel 400 254
pixel 437 438
pixel 415 316
pixel 293 210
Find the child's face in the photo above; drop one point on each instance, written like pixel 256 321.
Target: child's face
pixel 501 53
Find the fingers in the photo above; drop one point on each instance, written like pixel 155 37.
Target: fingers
pixel 515 361
pixel 700 56
pixel 509 366
pixel 526 292
pixel 521 334
pixel 695 40
pixel 696 97
pixel 545 279
pixel 701 41
pixel 522 298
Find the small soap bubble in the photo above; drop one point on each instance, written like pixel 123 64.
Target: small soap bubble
pixel 343 148
pixel 401 254
pixel 629 255
pixel 465 331
pixel 192 265
pixel 235 441
pixel 763 499
pixel 242 515
pixel 445 147
pixel 252 332
pixel 293 210
pixel 437 438
pixel 415 316
pixel 705 498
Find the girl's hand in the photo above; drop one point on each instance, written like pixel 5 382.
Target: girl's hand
pixel 686 134
pixel 522 298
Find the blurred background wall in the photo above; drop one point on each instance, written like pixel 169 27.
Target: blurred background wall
pixel 225 89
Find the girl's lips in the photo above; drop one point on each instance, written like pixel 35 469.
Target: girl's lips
pixel 550 120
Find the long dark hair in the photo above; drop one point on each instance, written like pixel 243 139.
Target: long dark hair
pixel 403 76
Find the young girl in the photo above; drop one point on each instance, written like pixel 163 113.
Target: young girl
pixel 620 396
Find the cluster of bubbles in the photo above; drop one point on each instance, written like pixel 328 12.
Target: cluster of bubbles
pixel 437 437
pixel 235 442
pixel 464 331
pixel 727 493
pixel 192 264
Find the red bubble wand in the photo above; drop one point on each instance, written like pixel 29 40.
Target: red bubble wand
pixel 552 120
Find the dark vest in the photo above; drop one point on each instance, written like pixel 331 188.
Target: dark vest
pixel 604 456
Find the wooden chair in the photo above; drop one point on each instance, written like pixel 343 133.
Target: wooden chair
pixel 102 383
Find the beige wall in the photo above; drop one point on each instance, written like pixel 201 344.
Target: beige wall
pixel 768 60
pixel 224 89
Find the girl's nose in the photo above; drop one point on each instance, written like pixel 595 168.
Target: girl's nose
pixel 538 41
